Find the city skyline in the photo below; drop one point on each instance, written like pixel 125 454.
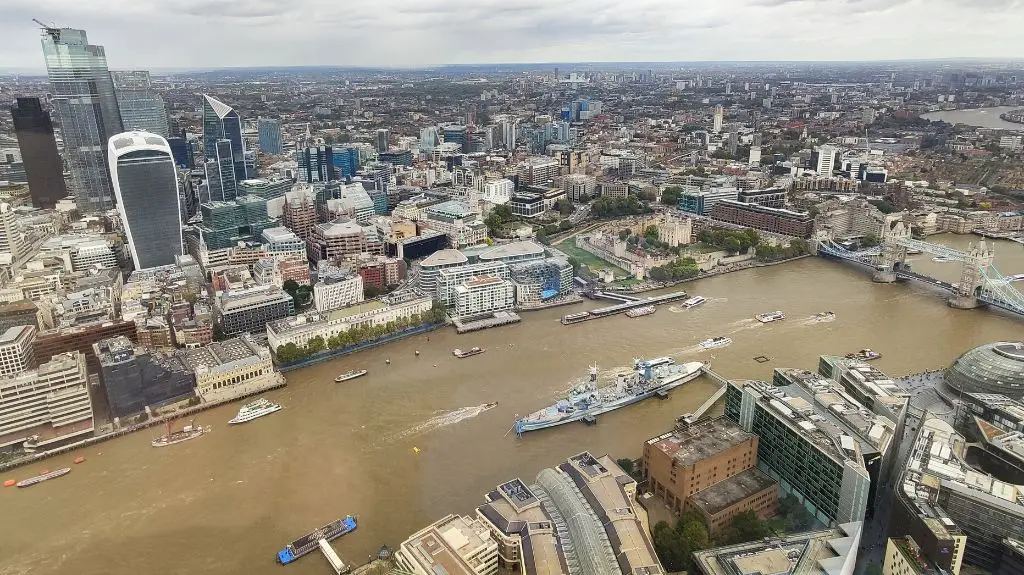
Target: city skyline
pixel 138 35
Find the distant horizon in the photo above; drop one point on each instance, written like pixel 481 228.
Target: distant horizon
pixel 626 64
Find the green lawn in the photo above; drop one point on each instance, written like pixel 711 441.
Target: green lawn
pixel 586 258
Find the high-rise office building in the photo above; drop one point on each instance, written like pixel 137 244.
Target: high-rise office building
pixel 719 118
pixel 221 122
pixel 346 160
pixel 826 160
pixel 221 180
pixel 146 186
pixel 141 107
pixel 43 167
pixel 454 134
pixel 316 164
pixel 86 107
pixel 269 130
pixel 382 139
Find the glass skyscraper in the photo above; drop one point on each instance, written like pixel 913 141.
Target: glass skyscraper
pixel 43 167
pixel 141 107
pixel 220 173
pixel 83 99
pixel 346 160
pixel 269 131
pixel 221 122
pixel 316 164
pixel 145 183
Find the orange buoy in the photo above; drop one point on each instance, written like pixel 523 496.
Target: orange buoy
pixel 79 459
pixel 10 483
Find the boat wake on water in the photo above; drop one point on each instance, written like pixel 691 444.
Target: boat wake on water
pixel 442 420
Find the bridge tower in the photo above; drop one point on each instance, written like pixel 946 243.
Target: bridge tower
pixel 894 255
pixel 972 276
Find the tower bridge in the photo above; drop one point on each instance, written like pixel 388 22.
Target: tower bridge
pixel 980 282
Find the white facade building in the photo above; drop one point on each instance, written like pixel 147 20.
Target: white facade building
pixel 300 329
pixel 483 294
pixel 449 278
pixel 334 292
pixel 498 192
pixel 16 354
pixel 453 545
pixel 826 160
pixel 47 404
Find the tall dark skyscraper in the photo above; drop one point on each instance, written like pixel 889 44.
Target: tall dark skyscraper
pixel 86 108
pixel 316 164
pixel 220 173
pixel 43 167
pixel 221 122
pixel 146 185
pixel 383 134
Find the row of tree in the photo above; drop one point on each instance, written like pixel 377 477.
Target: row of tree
pixel 770 253
pixel 733 241
pixel 605 207
pixel 290 352
pixel 678 269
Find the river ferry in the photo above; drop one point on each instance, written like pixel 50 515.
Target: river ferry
pixel 254 410
pixel 716 342
pixel 770 316
pixel 468 353
pixel 43 477
pixel 351 375
pixel 311 541
pixel 641 311
pixel 186 433
pixel 694 301
pixel 647 379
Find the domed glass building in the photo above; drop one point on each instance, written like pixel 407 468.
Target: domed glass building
pixel 991 368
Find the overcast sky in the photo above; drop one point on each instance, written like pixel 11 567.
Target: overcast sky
pixel 213 33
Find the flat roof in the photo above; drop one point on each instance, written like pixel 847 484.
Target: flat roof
pixel 731 491
pixel 700 441
pixel 513 249
pixel 445 258
pixel 825 552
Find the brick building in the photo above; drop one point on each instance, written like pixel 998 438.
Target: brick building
pixel 779 221
pixel 711 468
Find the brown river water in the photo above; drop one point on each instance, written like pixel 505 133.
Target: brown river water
pixel 410 442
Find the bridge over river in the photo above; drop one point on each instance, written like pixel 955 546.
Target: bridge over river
pixel 980 282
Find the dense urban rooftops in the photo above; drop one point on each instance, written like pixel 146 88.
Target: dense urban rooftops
pixel 826 552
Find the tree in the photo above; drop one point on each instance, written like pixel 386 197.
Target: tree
pixel 575 263
pixel 564 207
pixel 564 225
pixel 290 286
pixel 370 291
pixel 670 196
pixel 624 234
pixel 626 464
pixel 870 241
pixel 316 345
pixel 743 527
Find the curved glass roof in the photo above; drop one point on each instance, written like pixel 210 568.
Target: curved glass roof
pixel 991 368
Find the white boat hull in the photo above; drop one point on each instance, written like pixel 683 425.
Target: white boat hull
pixel 256 415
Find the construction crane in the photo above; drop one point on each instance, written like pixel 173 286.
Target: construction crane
pixel 48 28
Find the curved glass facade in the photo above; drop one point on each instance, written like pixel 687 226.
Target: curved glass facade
pixel 991 368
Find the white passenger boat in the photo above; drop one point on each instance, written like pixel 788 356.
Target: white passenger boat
pixel 716 342
pixel 255 410
pixel 352 375
pixel 770 316
pixel 694 301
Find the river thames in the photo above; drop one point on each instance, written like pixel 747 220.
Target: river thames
pixel 412 442
pixel 979 117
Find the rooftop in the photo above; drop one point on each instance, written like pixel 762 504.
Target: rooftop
pixel 700 441
pixel 512 250
pixel 826 552
pixel 725 493
pixel 445 258
pixel 14 333
pixel 443 547
pixel 937 462
pixel 224 353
